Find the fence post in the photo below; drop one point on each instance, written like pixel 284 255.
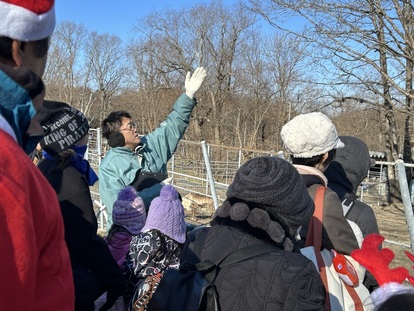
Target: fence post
pixel 405 195
pixel 99 144
pixel 172 168
pixel 209 174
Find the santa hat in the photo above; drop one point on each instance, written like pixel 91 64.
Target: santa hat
pixel 27 20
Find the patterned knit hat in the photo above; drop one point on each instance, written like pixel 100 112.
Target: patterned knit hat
pixel 63 129
pixel 166 214
pixel 129 210
pixel 275 186
pixel 27 20
pixel 309 135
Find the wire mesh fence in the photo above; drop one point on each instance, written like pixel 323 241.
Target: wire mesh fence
pixel 190 176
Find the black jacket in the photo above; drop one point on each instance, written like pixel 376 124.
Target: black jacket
pixel 349 168
pixel 278 280
pixel 88 251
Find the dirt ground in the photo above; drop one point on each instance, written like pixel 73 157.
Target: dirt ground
pixel 393 226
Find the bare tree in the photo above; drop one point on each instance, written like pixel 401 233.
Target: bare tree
pixel 63 67
pixel 366 43
pixel 209 35
pixel 104 54
pixel 67 76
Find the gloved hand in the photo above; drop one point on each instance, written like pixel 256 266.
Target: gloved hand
pixel 193 83
pixel 167 181
pixel 111 298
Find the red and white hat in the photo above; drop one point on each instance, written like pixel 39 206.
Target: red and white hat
pixel 27 20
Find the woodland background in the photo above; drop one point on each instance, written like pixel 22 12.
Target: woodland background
pixel 267 61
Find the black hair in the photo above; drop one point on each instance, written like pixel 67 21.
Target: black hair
pixel 113 122
pixel 64 158
pixel 313 161
pixel 115 229
pixel 41 47
pixel 401 302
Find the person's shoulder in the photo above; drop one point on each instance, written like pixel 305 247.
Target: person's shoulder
pixel 332 196
pixel 15 162
pixel 112 157
pixel 23 180
pixel 289 263
pixel 362 205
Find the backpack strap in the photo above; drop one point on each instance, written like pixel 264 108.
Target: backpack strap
pixel 314 234
pixel 314 238
pixel 348 203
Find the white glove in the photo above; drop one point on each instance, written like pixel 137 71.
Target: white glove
pixel 193 83
pixel 167 181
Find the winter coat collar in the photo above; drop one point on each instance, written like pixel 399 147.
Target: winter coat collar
pixel 21 96
pixel 308 170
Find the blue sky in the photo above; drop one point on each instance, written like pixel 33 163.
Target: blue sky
pixel 115 17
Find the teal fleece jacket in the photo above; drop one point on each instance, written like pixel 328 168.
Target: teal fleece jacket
pixel 120 165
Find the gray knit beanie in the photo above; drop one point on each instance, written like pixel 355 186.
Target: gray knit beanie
pixel 275 186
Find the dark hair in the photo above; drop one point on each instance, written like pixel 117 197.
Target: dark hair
pixel 41 47
pixel 115 229
pixel 401 302
pixel 64 158
pixel 113 122
pixel 313 161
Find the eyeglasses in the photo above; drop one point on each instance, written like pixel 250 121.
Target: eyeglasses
pixel 130 127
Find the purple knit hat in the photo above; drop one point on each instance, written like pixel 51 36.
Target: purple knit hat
pixel 166 214
pixel 129 210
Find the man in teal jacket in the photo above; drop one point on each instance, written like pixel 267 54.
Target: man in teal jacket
pixel 129 153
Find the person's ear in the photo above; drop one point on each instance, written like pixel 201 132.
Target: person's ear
pixel 17 53
pixel 324 158
pixel 322 162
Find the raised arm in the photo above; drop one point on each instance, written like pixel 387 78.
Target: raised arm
pixel 163 142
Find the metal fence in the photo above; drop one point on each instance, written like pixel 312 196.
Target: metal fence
pixel 189 171
pixel 209 179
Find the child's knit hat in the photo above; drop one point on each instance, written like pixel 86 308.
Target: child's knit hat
pixel 166 214
pixel 129 210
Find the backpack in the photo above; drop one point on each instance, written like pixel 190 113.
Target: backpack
pixel 191 287
pixel 340 294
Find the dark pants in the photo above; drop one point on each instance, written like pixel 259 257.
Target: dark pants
pixel 87 288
